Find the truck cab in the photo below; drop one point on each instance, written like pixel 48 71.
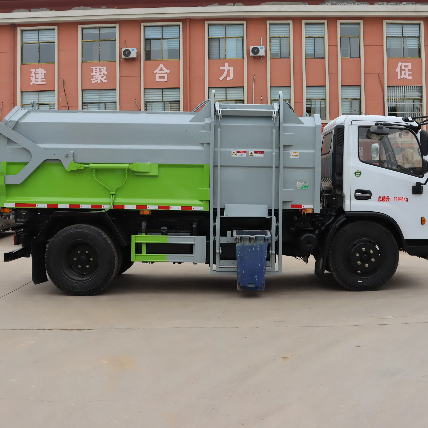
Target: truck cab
pixel 373 170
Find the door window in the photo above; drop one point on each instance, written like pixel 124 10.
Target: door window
pixel 399 150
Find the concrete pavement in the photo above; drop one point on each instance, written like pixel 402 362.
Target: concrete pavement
pixel 172 346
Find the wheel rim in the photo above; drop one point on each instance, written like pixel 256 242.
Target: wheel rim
pixel 364 258
pixel 80 261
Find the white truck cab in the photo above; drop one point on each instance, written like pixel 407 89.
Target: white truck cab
pixel 373 170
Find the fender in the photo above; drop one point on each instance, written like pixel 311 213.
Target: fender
pixel 380 218
pixel 321 259
pixel 38 243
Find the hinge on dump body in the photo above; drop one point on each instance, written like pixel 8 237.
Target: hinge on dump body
pixel 38 155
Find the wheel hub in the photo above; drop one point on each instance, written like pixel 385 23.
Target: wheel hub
pixel 83 259
pixel 365 257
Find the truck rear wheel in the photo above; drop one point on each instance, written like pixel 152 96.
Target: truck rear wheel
pixel 363 256
pixel 81 260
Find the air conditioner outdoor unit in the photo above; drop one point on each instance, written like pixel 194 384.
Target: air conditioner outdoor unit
pixel 129 53
pixel 257 51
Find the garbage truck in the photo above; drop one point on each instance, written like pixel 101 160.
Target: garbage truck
pixel 233 186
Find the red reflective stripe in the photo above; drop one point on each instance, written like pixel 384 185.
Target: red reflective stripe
pixel 296 206
pixel 25 205
pixel 116 207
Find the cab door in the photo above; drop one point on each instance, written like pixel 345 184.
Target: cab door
pixel 383 170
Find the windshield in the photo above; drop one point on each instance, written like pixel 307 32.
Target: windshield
pixel 398 151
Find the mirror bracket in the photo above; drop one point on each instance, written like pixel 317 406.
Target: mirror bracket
pixel 379 129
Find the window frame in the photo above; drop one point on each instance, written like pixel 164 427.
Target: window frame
pixel 38 43
pixel 225 37
pixel 179 42
pixel 163 101
pixel 326 62
pixel 244 23
pixel 142 61
pixel 391 149
pixel 99 41
pixel 385 60
pixel 350 99
pixel 19 59
pixel 312 106
pixel 350 37
pixel 325 47
pixel 339 63
pixel 403 99
pixel 404 37
pixel 226 88
pixel 38 97
pixel 99 102
pixel 79 68
pixel 290 23
pixel 277 99
pixel 280 38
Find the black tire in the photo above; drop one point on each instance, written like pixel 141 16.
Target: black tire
pixel 363 256
pixel 81 260
pixel 126 262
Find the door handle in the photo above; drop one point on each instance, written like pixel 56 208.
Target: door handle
pixel 362 195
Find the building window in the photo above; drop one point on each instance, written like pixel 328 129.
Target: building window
pixel 229 95
pixel 404 101
pixel 99 44
pixel 315 101
pixel 38 47
pixel 162 42
pixel 351 100
pixel 42 100
pixel 99 99
pixel 350 40
pixel 314 40
pixel 403 41
pixel 162 99
pixel 279 40
pixel 225 41
pixel 274 93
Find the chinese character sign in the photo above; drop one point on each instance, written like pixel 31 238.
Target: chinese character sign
pixel 403 70
pixel 99 74
pixel 227 70
pixel 38 76
pixel 161 73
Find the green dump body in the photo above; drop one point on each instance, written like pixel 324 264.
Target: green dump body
pixel 104 160
pixel 162 186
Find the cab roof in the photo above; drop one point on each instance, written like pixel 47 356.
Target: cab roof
pixel 366 118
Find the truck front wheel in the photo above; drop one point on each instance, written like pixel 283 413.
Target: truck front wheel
pixel 363 256
pixel 81 260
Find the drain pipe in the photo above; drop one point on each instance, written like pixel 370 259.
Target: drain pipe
pixel 188 62
pixel 254 85
pixel 12 86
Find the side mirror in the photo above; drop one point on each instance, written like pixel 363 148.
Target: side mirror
pixel 379 130
pixel 423 142
pixel 424 166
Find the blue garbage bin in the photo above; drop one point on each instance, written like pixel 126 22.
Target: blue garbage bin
pixel 251 254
